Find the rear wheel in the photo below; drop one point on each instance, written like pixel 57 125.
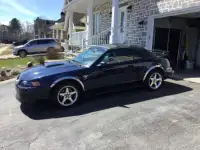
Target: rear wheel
pixel 22 53
pixel 66 94
pixel 154 80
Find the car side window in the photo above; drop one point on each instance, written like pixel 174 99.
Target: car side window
pixel 42 42
pixel 32 43
pixel 108 58
pixel 52 41
pixel 122 55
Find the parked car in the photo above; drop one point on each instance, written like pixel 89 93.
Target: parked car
pixel 95 69
pixel 21 42
pixel 37 46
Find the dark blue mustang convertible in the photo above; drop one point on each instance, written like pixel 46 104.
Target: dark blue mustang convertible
pixel 97 68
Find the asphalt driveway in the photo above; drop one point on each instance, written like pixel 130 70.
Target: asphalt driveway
pixel 135 119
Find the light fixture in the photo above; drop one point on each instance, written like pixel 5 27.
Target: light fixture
pixel 62 13
pixel 110 14
pixel 129 8
pixel 142 23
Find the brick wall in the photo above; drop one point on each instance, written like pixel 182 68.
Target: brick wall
pixel 141 10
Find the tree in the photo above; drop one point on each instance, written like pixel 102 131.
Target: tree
pixel 27 30
pixel 15 27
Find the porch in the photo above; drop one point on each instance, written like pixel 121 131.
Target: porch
pixel 106 22
pixel 58 31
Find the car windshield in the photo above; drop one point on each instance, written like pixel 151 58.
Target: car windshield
pixel 89 56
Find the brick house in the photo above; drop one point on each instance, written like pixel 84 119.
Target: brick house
pixel 170 26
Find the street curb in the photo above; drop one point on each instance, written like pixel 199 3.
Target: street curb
pixel 7 81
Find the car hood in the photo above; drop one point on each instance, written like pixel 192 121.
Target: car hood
pixel 18 47
pixel 48 69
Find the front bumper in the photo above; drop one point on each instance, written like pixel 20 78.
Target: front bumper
pixel 30 95
pixel 14 52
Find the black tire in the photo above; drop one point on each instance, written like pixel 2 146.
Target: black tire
pixel 148 80
pixel 58 89
pixel 22 53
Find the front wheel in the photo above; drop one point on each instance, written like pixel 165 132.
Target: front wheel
pixel 66 94
pixel 154 80
pixel 22 53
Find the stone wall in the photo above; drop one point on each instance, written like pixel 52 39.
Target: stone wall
pixel 141 10
pixel 105 13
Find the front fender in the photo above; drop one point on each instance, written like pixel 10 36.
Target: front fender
pixel 68 78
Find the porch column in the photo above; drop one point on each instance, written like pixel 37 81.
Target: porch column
pixel 53 33
pixel 61 34
pixel 66 28
pixel 70 26
pixel 57 34
pixel 89 27
pixel 115 22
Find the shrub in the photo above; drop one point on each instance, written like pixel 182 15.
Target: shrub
pixel 52 54
pixel 39 60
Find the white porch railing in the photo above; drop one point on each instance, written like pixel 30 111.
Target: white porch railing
pixel 77 37
pixel 100 38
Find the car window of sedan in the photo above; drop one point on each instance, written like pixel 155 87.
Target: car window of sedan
pixel 121 55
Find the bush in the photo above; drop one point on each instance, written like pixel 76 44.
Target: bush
pixel 39 60
pixel 52 54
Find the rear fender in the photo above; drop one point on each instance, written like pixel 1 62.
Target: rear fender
pixel 151 69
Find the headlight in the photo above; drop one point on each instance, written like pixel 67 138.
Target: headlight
pixel 30 84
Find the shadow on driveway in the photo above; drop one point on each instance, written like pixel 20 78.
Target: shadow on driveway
pixel 42 110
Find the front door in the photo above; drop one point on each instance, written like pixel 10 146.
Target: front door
pixel 116 67
pixel 122 24
pixel 32 46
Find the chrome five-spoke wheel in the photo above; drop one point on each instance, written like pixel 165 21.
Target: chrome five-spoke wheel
pixel 67 95
pixel 155 80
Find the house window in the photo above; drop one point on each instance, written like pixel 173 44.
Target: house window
pixel 122 21
pixel 96 23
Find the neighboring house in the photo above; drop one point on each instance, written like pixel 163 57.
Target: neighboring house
pixel 42 28
pixel 58 27
pixel 165 25
pixel 6 34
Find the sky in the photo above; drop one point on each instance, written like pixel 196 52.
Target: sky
pixel 28 10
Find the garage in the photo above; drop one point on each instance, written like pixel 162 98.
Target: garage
pixel 176 35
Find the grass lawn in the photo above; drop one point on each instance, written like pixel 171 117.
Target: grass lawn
pixel 12 63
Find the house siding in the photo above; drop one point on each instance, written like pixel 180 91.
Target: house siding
pixel 141 10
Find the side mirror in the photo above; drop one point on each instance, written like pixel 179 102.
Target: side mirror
pixel 101 65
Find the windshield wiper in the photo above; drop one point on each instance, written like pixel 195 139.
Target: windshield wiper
pixel 76 62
